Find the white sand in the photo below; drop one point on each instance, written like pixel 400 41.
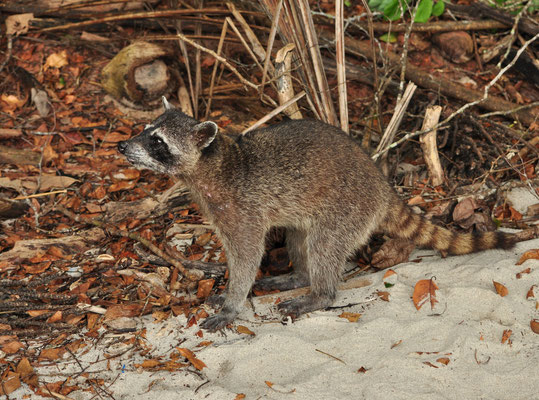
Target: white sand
pixel 466 327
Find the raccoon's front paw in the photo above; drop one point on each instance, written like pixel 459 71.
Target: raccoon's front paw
pixel 218 321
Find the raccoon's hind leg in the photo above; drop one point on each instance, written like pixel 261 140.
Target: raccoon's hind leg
pixel 325 260
pixel 297 251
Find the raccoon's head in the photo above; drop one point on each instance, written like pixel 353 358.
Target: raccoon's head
pixel 171 144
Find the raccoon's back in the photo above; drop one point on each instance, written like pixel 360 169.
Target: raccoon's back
pixel 314 158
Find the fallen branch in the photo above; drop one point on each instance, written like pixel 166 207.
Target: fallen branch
pixel 138 15
pixel 193 275
pixel 429 147
pixel 445 86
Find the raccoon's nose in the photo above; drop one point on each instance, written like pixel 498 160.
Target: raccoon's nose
pixel 122 146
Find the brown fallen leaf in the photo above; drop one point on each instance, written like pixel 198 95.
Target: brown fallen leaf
pixel 123 310
pixel 56 60
pixel 148 364
pixel 531 293
pixel 204 288
pixel 500 289
pixel 51 354
pixel 524 271
pixel 244 330
pixel 383 295
pixel 11 347
pixel 350 316
pixel 191 357
pixel 425 290
pixel 443 360
pixel 506 335
pixel 10 382
pixel 26 372
pixel 534 325
pixel 532 254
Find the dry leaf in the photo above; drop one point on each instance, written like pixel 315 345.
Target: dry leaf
pixel 383 295
pixel 270 384
pixel 204 288
pixel 160 315
pixel 11 102
pixel 532 254
pixel 26 372
pixel 515 215
pixel 443 360
pixel 10 383
pixel 123 310
pixel 191 357
pixel 464 209
pixel 390 278
pixel 51 354
pixel 416 200
pixel 531 294
pixel 12 347
pixel 17 24
pixel 244 330
pixel 534 324
pixel 429 364
pixel 524 271
pixel 56 60
pixel 350 316
pixel 148 364
pixel 56 317
pixel 425 290
pixel 506 335
pixel 240 396
pixel 500 289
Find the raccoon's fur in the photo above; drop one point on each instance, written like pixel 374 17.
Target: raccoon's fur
pixel 304 175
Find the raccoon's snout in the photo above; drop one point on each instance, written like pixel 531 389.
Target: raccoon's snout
pixel 122 146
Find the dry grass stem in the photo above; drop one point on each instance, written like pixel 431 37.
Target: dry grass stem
pixel 214 72
pixel 316 58
pixel 271 39
pixel 274 113
pixel 257 47
pixel 396 119
pixel 341 69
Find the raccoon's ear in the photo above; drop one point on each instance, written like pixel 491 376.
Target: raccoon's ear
pixel 166 104
pixel 204 133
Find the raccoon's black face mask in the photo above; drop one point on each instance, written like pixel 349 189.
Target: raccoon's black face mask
pixel 171 144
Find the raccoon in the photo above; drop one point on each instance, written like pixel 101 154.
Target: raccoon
pixel 304 175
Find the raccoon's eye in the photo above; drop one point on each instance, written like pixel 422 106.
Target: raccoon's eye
pixel 156 140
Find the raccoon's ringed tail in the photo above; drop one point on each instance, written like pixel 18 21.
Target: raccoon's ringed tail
pixel 403 223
